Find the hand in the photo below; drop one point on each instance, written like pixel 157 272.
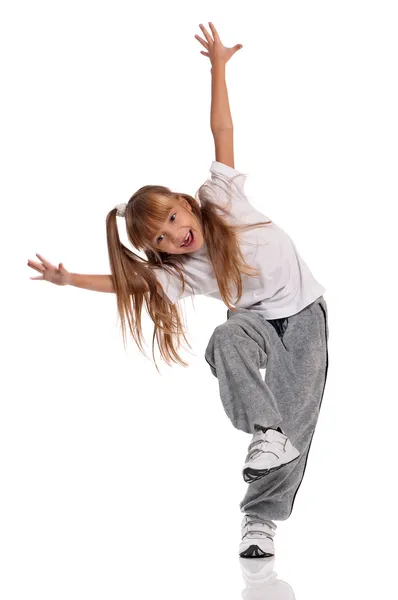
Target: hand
pixel 59 276
pixel 216 51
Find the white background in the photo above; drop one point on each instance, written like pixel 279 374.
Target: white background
pixel 118 482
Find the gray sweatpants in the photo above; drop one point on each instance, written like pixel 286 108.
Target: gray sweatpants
pixel 294 353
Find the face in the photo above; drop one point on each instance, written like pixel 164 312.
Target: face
pixel 180 221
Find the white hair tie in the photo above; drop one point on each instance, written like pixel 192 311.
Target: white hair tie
pixel 121 209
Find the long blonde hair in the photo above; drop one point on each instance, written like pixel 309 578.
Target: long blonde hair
pixel 134 277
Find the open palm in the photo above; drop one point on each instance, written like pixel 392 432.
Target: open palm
pixel 216 51
pixel 57 275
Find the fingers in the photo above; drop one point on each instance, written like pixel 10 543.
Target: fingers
pixel 214 32
pixel 44 261
pixel 36 266
pixel 202 42
pixel 207 35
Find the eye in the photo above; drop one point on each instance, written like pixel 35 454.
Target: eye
pixel 157 241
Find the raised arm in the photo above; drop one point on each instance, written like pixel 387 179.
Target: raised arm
pixel 219 55
pixel 220 115
pixel 223 133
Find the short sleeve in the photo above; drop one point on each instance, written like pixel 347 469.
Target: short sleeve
pixel 172 286
pixel 227 177
pixel 221 171
pixel 225 185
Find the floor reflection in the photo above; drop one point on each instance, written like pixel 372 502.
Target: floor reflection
pixel 261 580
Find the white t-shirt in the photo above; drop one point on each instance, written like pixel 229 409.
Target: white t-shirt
pixel 285 285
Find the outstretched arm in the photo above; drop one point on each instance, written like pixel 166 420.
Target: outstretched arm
pixel 96 283
pixel 219 55
pixel 99 283
pixel 61 276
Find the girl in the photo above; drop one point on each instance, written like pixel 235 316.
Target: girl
pixel 219 245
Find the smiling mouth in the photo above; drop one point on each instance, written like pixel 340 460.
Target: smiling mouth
pixel 190 240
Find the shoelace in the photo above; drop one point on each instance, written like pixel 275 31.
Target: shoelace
pixel 259 439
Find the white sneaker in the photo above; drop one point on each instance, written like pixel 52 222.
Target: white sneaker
pixel 257 538
pixel 267 452
pixel 262 581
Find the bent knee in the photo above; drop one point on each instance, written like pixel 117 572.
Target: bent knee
pixel 226 331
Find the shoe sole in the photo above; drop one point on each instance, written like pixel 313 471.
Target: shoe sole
pixel 250 475
pixel 255 551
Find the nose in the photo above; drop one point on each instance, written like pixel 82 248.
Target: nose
pixel 176 239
